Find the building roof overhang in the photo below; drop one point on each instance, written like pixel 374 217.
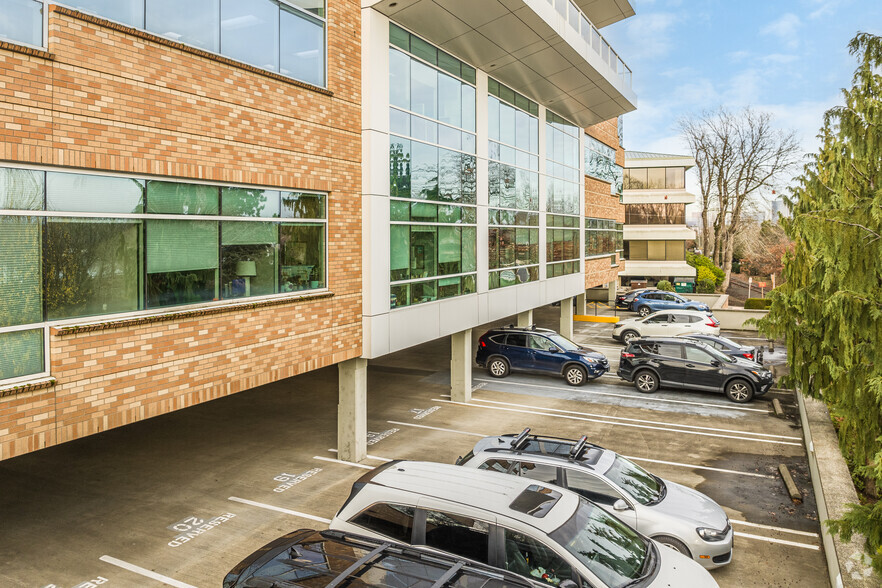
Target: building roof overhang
pixel 606 12
pixel 527 45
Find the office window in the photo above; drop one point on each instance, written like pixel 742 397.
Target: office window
pixel 195 22
pixel 602 237
pixel 90 193
pixel 21 21
pixel 302 256
pixel 250 32
pixel 21 353
pixel 600 163
pixel 91 266
pixel 129 12
pixel 248 260
pixel 303 47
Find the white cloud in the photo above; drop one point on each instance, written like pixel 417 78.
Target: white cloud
pixel 649 35
pixel 778 58
pixel 785 28
pixel 738 56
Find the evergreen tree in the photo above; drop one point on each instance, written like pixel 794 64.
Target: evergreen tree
pixel 830 307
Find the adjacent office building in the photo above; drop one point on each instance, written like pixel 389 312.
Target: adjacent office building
pixel 199 198
pixel 656 234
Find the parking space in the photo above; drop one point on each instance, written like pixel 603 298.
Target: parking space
pixel 179 499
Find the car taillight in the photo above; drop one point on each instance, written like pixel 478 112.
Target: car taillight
pixel 627 354
pixel 748 355
pixel 712 323
pixel 482 344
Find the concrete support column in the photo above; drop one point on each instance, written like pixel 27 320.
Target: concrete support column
pixel 566 317
pixel 525 319
pixel 612 293
pixel 581 308
pixel 461 366
pixel 352 410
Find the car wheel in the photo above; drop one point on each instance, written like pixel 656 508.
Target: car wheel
pixel 575 375
pixel 739 391
pixel 674 544
pixel 645 381
pixel 644 310
pixel 498 367
pixel 629 336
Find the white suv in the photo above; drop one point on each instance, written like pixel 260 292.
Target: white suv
pixel 666 323
pixel 521 525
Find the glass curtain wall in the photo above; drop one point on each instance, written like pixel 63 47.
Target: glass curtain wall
pixel 603 237
pixel 655 178
pixel 282 36
pixel 513 129
pixel 600 163
pixel 655 213
pixel 563 195
pixel 432 167
pixel 78 245
pixel 656 250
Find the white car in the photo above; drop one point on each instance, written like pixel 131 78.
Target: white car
pixel 524 526
pixel 666 323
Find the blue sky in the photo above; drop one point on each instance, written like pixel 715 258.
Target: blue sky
pixel 787 57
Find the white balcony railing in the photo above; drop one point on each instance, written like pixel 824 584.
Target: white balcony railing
pixel 574 16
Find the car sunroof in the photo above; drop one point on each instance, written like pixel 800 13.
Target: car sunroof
pixel 536 501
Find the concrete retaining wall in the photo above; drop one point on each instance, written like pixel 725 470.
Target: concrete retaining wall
pixel 733 318
pixel 713 300
pixel 847 563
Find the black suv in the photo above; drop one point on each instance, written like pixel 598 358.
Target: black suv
pixel 320 559
pixel 538 350
pixel 690 364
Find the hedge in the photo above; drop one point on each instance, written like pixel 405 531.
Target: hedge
pixel 757 303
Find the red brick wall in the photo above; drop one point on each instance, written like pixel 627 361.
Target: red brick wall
pixel 109 98
pixel 599 203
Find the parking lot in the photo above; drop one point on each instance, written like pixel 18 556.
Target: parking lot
pixel 179 499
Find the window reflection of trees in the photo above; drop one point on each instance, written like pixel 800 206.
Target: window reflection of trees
pixel 634 480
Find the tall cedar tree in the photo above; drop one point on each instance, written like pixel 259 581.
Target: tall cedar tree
pixel 830 308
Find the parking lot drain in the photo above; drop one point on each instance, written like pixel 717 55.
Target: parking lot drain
pixel 794 492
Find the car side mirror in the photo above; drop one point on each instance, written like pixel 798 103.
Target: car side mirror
pixel 620 505
pixel 716 363
pixel 554 350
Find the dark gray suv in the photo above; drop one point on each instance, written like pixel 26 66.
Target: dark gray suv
pixel 655 362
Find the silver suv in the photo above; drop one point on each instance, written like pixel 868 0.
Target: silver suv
pixel 681 518
pixel 523 526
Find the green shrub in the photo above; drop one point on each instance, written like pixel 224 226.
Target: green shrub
pixel 757 303
pixel 665 285
pixel 706 286
pixel 705 273
pixel 702 261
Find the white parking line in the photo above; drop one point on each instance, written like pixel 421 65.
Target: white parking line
pixel 638 420
pixel 698 467
pixel 437 428
pixel 779 541
pixel 632 397
pixel 770 528
pixel 615 424
pixel 302 515
pixel 673 463
pixel 349 463
pixel 369 456
pixel 144 572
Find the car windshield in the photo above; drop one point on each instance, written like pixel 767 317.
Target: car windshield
pixel 630 477
pixel 613 551
pixel 563 342
pixel 729 342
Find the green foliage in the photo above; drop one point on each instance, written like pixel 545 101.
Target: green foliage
pixel 702 261
pixel 830 306
pixel 706 286
pixel 705 274
pixel 757 303
pixel 665 285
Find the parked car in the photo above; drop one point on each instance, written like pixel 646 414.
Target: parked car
pixel 729 347
pixel 624 300
pixel 666 324
pixel 686 363
pixel 520 525
pixel 674 515
pixel 538 350
pixel 645 303
pixel 318 559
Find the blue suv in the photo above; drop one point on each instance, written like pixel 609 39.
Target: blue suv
pixel 538 350
pixel 649 302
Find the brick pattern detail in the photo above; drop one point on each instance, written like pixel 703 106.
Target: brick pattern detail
pixel 599 203
pixel 105 97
